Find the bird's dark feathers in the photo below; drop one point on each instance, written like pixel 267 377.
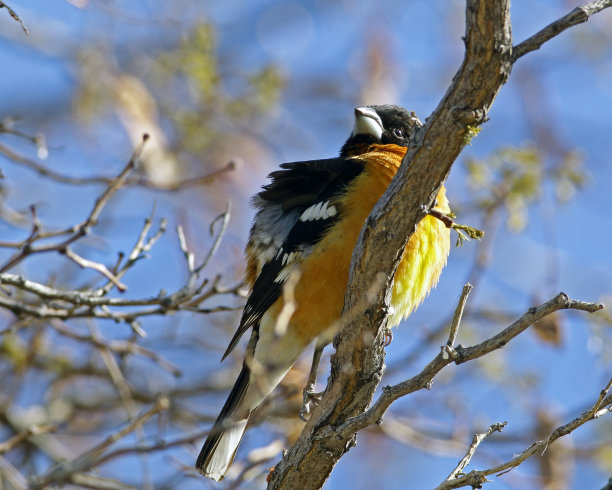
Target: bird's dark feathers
pixel 301 184
pixel 393 118
pixel 220 425
pixel 296 188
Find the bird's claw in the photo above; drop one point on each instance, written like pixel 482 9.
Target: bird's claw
pixel 311 400
pixel 388 337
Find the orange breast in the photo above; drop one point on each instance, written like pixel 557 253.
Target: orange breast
pixel 324 274
pixel 319 294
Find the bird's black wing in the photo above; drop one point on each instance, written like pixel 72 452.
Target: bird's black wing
pixel 296 208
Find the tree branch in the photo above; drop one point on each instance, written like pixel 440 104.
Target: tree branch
pixel 476 441
pixel 78 231
pixel 449 354
pixel 65 471
pixel 577 16
pixel 139 181
pixel 358 364
pixel 476 478
pixel 14 15
pixel 94 303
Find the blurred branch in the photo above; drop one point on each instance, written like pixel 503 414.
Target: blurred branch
pixel 47 172
pixel 151 448
pixel 94 303
pixel 476 478
pixel 577 16
pixel 12 475
pixel 14 15
pixel 120 347
pixel 78 231
pixel 64 472
pixel 18 438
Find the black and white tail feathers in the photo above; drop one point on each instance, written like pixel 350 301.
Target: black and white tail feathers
pixel 224 438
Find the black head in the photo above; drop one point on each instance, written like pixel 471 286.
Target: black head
pixel 381 124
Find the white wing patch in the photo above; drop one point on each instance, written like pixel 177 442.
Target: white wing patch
pixel 290 257
pixel 321 210
pixel 288 262
pixel 284 273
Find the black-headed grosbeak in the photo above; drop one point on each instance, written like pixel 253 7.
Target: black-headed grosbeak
pixel 307 223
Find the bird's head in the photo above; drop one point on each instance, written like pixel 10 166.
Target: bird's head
pixel 380 124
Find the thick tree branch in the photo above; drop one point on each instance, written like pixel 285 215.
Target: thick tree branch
pixel 358 364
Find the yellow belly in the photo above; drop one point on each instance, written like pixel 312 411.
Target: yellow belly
pixel 319 294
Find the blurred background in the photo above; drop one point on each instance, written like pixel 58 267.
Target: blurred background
pixel 228 91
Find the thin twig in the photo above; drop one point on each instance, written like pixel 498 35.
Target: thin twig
pixel 78 231
pixel 476 478
pixel 452 337
pixel 9 444
pixel 476 440
pixel 14 15
pixel 93 303
pixel 90 264
pixel 577 16
pixel 224 218
pixel 136 181
pixel 460 354
pixel 119 347
pixel 63 471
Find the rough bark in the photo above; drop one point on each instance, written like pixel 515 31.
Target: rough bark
pixel 358 364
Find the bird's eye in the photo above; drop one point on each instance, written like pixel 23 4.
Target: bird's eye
pixel 398 132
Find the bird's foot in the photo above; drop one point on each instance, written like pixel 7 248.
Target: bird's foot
pixel 311 400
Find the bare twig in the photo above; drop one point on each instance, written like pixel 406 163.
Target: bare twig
pixel 78 231
pixel 224 218
pixel 477 439
pixel 14 15
pixel 94 303
pixel 87 305
pixel 90 264
pixel 577 16
pixel 138 181
pixel 18 438
pixel 559 302
pixel 425 378
pixel 64 471
pixel 452 337
pixel 141 247
pixel 476 478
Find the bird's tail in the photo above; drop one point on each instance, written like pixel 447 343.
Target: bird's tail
pixel 224 438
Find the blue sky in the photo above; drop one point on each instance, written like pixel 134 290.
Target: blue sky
pixel 326 40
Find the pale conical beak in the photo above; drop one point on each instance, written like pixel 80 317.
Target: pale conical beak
pixel 367 122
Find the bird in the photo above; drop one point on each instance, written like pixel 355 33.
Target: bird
pixel 306 225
